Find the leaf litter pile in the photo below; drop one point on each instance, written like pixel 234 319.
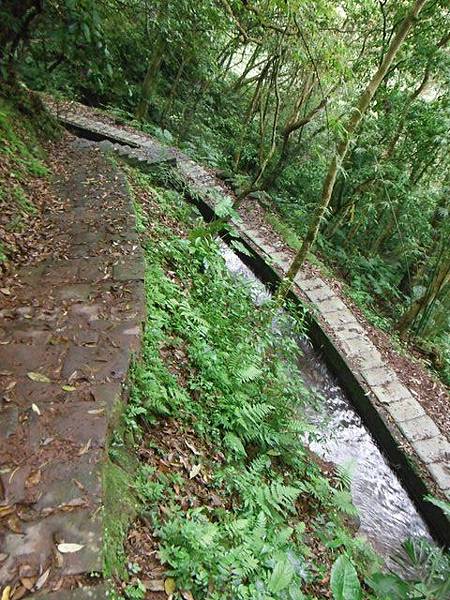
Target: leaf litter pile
pixel 27 199
pixel 231 505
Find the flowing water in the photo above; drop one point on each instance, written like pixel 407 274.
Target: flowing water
pixel 387 516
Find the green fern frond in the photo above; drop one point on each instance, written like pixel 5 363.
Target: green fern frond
pixel 342 500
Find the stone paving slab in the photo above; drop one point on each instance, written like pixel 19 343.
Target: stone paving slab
pixel 349 331
pixel 338 320
pixel 392 391
pixel 75 323
pixel 368 365
pixel 418 428
pixel 405 410
pixel 433 450
pixel 97 592
pixel 319 294
pixel 440 472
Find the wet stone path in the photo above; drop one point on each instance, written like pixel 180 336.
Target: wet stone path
pixel 68 329
pixel 394 401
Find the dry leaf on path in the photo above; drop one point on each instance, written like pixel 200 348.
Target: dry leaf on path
pixel 85 448
pixel 28 582
pixel 42 579
pixel 15 524
pixel 154 585
pixel 195 471
pixel 6 510
pixel 6 594
pixel 69 548
pixel 39 377
pixel 33 478
pixel 68 388
pixel 19 593
pixel 192 447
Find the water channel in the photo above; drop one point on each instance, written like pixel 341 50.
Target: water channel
pixel 387 516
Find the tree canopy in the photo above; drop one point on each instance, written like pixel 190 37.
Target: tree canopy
pixel 263 91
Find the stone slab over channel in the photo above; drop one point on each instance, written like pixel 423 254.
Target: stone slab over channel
pixel 382 383
pixel 75 323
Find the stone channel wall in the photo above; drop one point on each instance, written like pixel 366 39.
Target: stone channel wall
pixel 389 410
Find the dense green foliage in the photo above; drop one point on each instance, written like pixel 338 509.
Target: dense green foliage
pixel 231 388
pixel 244 512
pixel 239 396
pixel 260 90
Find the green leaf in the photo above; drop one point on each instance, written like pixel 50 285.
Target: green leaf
pixel 344 580
pixel 388 586
pixel 239 246
pixel 39 377
pixel 281 576
pixel 249 373
pixel 234 444
pixel 86 31
pixel 224 207
pixel 442 504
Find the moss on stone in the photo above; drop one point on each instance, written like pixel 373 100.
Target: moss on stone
pixel 121 504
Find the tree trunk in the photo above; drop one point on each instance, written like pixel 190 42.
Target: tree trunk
pixel 265 161
pixel 293 124
pixel 15 31
pixel 188 115
pixel 439 279
pixel 280 165
pixel 149 81
pixel 251 110
pixel 248 67
pixel 343 145
pixel 173 90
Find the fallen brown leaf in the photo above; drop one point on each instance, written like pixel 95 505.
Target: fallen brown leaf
pixel 28 582
pixel 38 377
pixel 19 593
pixel 85 448
pixel 33 478
pixel 154 585
pixel 14 524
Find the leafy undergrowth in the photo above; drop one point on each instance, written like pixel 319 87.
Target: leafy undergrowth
pixel 232 505
pixel 24 188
